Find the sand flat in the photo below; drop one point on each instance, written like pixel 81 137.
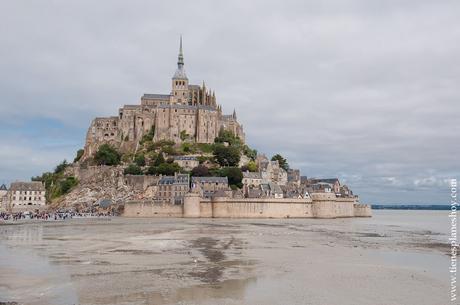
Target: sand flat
pixel 224 261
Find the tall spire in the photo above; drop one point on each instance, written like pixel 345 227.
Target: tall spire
pixel 180 59
pixel 180 72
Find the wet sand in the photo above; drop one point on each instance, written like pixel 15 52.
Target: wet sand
pixel 379 260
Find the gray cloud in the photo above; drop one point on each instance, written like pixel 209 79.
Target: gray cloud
pixel 364 90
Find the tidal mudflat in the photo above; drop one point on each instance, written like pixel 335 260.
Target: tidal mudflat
pixel 396 257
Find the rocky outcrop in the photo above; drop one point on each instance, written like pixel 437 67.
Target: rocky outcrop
pixel 105 182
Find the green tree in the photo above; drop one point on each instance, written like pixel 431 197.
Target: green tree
pixel 107 155
pixel 79 155
pixel 251 166
pixel 140 160
pixel 61 167
pixel 164 169
pixel 200 171
pixel 133 169
pixel 159 160
pixel 282 161
pixel 183 135
pixel 226 155
pixel 234 175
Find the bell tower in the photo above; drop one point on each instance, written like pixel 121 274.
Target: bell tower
pixel 180 91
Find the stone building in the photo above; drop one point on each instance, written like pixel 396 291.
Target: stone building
pixel 24 196
pixel 271 171
pixel 3 197
pixel 188 113
pixel 187 162
pixel 210 185
pixel 293 176
pixel 251 179
pixel 171 189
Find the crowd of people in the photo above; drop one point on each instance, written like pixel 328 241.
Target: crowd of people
pixel 43 215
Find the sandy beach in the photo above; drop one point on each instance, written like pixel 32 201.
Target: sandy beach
pixel 394 258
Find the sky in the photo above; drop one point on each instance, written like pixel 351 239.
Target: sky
pixel 366 91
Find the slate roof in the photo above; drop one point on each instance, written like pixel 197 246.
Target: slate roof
pixel 210 180
pixel 251 175
pixel 192 107
pixel 150 96
pixel 179 179
pixel 3 187
pixel 27 186
pixel 185 158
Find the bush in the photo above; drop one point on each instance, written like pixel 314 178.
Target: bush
pixel 139 160
pixel 251 166
pixel 164 169
pixel 200 171
pixel 234 175
pixel 226 156
pixel 107 155
pixel 133 169
pixel 79 155
pixel 61 167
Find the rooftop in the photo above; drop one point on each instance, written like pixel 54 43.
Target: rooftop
pixel 210 180
pixel 27 186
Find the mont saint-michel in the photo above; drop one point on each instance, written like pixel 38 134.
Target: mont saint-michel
pixel 179 155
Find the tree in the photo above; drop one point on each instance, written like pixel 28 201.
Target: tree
pixel 251 166
pixel 107 155
pixel 164 169
pixel 226 156
pixel 183 135
pixel 133 169
pixel 61 167
pixel 159 160
pixel 79 155
pixel 140 160
pixel 234 175
pixel 281 161
pixel 200 171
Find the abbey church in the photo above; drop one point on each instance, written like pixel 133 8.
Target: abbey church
pixel 188 113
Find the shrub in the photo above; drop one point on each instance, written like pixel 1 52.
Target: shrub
pixel 200 171
pixel 234 175
pixel 61 167
pixel 140 160
pixel 79 155
pixel 133 169
pixel 107 155
pixel 226 156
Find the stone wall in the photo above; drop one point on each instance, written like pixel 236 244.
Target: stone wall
pixel 149 209
pixel 324 205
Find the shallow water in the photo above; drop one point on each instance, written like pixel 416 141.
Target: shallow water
pixel 217 261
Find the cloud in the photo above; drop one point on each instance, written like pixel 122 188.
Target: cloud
pixel 362 90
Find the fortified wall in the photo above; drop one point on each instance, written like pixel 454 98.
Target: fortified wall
pixel 321 205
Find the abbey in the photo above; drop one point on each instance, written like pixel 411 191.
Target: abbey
pixel 188 113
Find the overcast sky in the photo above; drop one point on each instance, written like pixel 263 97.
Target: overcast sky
pixel 367 91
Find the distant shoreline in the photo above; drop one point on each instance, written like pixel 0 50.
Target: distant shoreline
pixel 435 207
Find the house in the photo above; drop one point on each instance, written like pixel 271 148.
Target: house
pixel 210 185
pixel 251 179
pixel 171 189
pixel 23 196
pixel 271 190
pixel 187 162
pixel 3 197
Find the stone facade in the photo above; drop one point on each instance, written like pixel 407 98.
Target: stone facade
pixel 171 189
pixel 319 206
pixel 187 162
pixel 187 113
pixel 26 196
pixel 210 185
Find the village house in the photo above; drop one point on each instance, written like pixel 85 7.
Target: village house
pixel 23 196
pixel 171 189
pixel 210 185
pixel 187 162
